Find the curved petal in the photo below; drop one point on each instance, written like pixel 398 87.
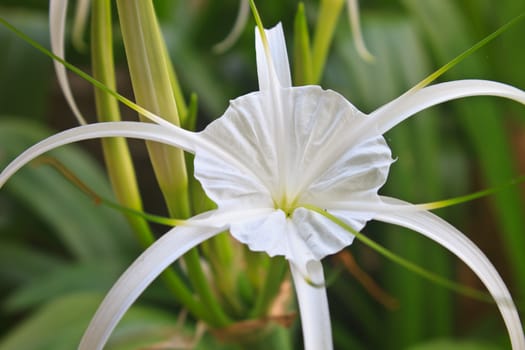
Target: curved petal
pixel 136 279
pixel 275 234
pixel 313 307
pixel 446 235
pixel 354 173
pixel 147 131
pixel 301 238
pixel 240 22
pixel 79 25
pixel 393 113
pixel 353 17
pixel 275 62
pixel 243 133
pixel 268 233
pixel 57 24
pixel 319 236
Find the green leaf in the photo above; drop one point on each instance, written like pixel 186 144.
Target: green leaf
pixel 60 324
pixel 20 263
pixel 56 326
pixel 24 75
pixel 96 276
pixel 302 58
pixel 483 121
pixel 143 326
pixel 88 231
pixel 446 344
pixel 400 62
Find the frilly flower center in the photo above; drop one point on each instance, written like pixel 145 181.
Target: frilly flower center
pixel 286 203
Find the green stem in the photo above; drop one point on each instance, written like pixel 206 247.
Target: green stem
pixel 303 68
pixel 328 15
pixel 146 55
pixel 274 278
pixel 182 107
pixel 150 75
pixel 221 254
pixel 116 152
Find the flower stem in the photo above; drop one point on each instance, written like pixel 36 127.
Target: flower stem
pixel 302 51
pixel 326 23
pixel 146 56
pixel 116 152
pixel 274 277
pixel 150 75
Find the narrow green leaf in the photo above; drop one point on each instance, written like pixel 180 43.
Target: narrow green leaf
pixel 97 276
pixel 302 59
pixel 448 32
pixel 439 280
pixel 446 344
pixel 60 324
pixel 152 87
pixel 416 176
pixel 87 231
pixel 24 77
pixel 329 12
pixel 20 263
pixel 447 66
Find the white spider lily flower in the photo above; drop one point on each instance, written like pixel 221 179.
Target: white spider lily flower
pixel 271 156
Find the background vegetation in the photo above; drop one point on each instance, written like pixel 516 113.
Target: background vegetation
pixel 59 252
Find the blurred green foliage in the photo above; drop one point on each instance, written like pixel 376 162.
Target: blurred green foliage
pixel 59 251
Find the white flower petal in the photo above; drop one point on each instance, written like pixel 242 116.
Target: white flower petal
pixel 219 218
pixel 357 174
pixel 320 235
pixel 57 24
pixel 326 163
pixel 136 279
pixel 278 66
pixel 317 161
pixel 267 233
pixel 393 113
pixel 313 307
pixel 246 177
pixel 443 233
pixel 302 238
pixel 275 234
pixel 316 164
pixel 147 131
